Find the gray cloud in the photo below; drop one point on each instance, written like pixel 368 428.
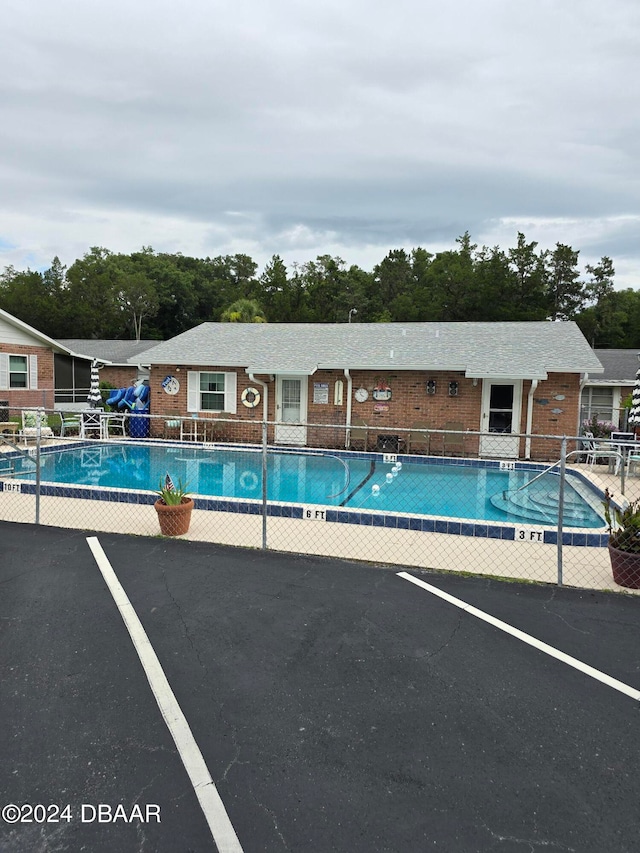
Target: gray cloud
pixel 352 127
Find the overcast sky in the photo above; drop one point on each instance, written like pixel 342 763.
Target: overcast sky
pixel 347 127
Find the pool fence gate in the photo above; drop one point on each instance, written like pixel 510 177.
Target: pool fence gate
pixel 521 507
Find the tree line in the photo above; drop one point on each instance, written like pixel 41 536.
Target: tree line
pixel 158 295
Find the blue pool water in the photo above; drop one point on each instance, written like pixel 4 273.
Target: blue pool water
pixel 452 491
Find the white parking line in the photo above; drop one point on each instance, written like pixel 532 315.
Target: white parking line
pixel 214 811
pixel 527 638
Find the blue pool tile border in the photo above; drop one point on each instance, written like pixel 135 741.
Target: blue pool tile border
pixel 422 524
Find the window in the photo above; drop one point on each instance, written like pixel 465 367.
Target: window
pixel 598 401
pixel 18 371
pixel 72 377
pixel 212 392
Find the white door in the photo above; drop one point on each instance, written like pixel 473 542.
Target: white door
pixel 291 408
pixel 501 406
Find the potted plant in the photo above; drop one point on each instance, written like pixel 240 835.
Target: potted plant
pixel 174 508
pixel 624 540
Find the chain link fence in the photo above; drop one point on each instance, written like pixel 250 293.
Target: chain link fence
pixel 417 498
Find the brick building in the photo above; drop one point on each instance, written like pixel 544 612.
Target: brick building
pixel 36 370
pixel 497 379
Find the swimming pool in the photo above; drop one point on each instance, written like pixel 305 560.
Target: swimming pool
pixel 477 490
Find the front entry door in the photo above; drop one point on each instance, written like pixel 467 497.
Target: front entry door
pixel 501 405
pixel 291 408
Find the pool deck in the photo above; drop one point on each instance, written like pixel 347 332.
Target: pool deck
pixel 583 567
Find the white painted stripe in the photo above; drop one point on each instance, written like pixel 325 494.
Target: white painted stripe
pixel 527 638
pixel 214 811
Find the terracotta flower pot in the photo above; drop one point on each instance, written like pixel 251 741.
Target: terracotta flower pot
pixel 626 567
pixel 174 520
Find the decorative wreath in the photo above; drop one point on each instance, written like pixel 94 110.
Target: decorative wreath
pixel 250 397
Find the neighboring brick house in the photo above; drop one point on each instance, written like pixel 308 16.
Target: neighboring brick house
pixel 122 361
pixel 35 370
pixel 500 379
pixel 604 395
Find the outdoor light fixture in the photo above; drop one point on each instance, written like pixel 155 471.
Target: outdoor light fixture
pixel 431 386
pixel 453 389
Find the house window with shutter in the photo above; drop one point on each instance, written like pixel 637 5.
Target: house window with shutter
pixel 212 392
pixel 18 371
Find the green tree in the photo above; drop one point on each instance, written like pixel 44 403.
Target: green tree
pixel 175 290
pixel 90 298
pixel 325 285
pixel 628 303
pixel 24 295
pixel 393 282
pixel 494 286
pixel 450 279
pixel 243 311
pixel 565 292
pixel 425 299
pixel 138 299
pixel 275 291
pixel 528 298
pixel 602 321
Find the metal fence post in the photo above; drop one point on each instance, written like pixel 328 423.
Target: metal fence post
pixel 264 485
pixel 563 471
pixel 38 437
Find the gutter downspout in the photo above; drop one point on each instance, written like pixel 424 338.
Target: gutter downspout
pixel 347 437
pixel 265 396
pixel 583 382
pixel 527 444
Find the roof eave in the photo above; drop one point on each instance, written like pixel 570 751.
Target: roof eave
pixel 34 333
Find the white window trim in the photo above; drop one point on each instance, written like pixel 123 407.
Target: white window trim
pixel 230 391
pixel 5 371
pixel 616 401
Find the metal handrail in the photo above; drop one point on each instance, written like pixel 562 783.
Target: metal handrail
pixel 550 469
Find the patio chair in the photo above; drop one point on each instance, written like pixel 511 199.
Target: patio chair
pixel 624 443
pixel 69 423
pixel 91 424
pixel 453 445
pixel 633 461
pixel 117 420
pixel 596 450
pixel 172 425
pixel 359 433
pixel 418 439
pixel 31 420
pixel 218 427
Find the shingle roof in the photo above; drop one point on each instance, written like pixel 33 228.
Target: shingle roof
pixel 115 352
pixel 514 350
pixel 620 366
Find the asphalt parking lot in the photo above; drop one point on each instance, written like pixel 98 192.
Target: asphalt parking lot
pixel 335 705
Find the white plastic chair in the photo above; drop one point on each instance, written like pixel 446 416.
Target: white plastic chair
pixel 595 450
pixel 91 423
pixel 31 418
